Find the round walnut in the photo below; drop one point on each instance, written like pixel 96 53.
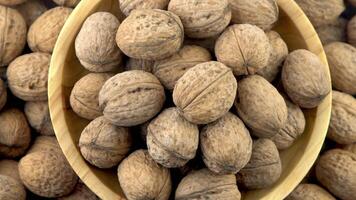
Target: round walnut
pixel 262 13
pixel 104 145
pixel 67 3
pixel 258 99
pixel 28 76
pixel 310 191
pixel 37 113
pixel 264 168
pixel 154 34
pixel 226 145
pixel 47 174
pixel 205 92
pixel 15 133
pixel 11 189
pixel 305 78
pixel 351 31
pixel 31 10
pixel 95 44
pixel 141 177
pixel 13 34
pixel 202 18
pixel 138 64
pixel 80 192
pixel 342 62
pixel 84 98
pixel 172 140
pixel 342 127
pixel 3 94
pixel 351 148
pixel 127 6
pixel 44 31
pixel 332 32
pixel 45 144
pixel 131 98
pixel 336 171
pixel 10 168
pixel 169 70
pixel 204 184
pixel 244 48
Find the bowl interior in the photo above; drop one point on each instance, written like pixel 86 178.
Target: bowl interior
pixel 65 70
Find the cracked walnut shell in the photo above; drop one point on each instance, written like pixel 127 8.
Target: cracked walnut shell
pixel 37 113
pixel 127 6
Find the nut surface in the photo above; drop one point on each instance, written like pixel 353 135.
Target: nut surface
pixel 37 113
pixel 3 94
pixel 310 192
pixel 11 189
pixel 31 10
pixel 332 32
pixel 10 168
pixel 80 192
pixel 45 144
pixel 127 6
pixel 351 148
pixel 67 3
pixel 351 31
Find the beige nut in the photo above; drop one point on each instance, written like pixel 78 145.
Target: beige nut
pixel 37 113
pixel 244 48
pixel 141 178
pixel 3 94
pixel 11 189
pixel 204 184
pixel 131 98
pixel 169 70
pixel 10 168
pixel 226 145
pixel 31 10
pixel 205 92
pixel 202 18
pixel 104 145
pixel 80 192
pixel 67 3
pixel 45 144
pixel 154 34
pixel 127 6
pixel 138 64
pixel 258 99
pixel 351 31
pixel 309 191
pixel 172 140
pixel 332 32
pixel 44 31
pixel 13 34
pixel 28 76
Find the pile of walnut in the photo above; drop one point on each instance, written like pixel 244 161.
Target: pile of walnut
pixel 32 164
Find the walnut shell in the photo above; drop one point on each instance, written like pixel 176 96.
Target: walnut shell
pixel 172 140
pixel 204 184
pixel 141 178
pixel 351 31
pixel 305 78
pixel 309 192
pixel 13 34
pixel 263 14
pixel 44 31
pixel 127 6
pixel 278 54
pixel 342 63
pixel 342 127
pixel 67 3
pixel 154 34
pixel 258 99
pixel 226 145
pixel 11 189
pixel 10 168
pixel 80 192
pixel 37 113
pixel 15 133
pixel 31 10
pixel 138 64
pixel 45 144
pixel 202 18
pixel 104 145
pixel 3 94
pixel 244 48
pixel 131 98
pixel 169 70
pixel 332 32
pixel 336 171
pixel 351 148
pixel 205 92
pixel 84 98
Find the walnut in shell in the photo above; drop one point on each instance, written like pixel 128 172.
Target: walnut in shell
pixel 351 31
pixel 205 92
pixel 11 2
pixel 3 94
pixel 244 48
pixel 154 34
pixel 139 64
pixel 31 10
pixel 80 192
pixel 306 191
pixel 37 113
pixel 67 3
pixel 172 140
pixel 10 168
pixel 127 6
pixel 141 177
pixel 11 189
pixel 45 144
pixel 332 32
pixel 351 148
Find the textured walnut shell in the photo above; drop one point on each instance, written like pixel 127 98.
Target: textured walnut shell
pixel 31 10
pixel 332 32
pixel 47 174
pixel 205 92
pixel 67 3
pixel 3 94
pixel 337 172
pixel 351 30
pixel 169 70
pixel 45 144
pixel 44 31
pixel 262 13
pixel 127 6
pixel 80 192
pixel 309 192
pixel 342 63
pixel 172 140
pixel 10 168
pixel 226 145
pixel 104 145
pixel 141 177
pixel 84 98
pixel 264 168
pixel 131 98
pixel 15 133
pixel 279 52
pixel 351 148
pixel 138 64
pixel 11 189
pixel 95 44
pixel 13 34
pixel 305 78
pixel 342 128
pixel 258 99
pixel 154 34
pixel 202 18
pixel 244 48
pixel 37 113
pixel 204 184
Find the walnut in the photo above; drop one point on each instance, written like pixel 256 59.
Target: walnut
pixel 3 94
pixel 31 10
pixel 332 32
pixel 137 64
pixel 351 148
pixel 80 192
pixel 37 113
pixel 45 144
pixel 351 31
pixel 10 168
pixel 11 189
pixel 309 191
pixel 67 3
pixel 127 6
pixel 11 2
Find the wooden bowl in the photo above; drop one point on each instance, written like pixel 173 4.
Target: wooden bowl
pixel 65 70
